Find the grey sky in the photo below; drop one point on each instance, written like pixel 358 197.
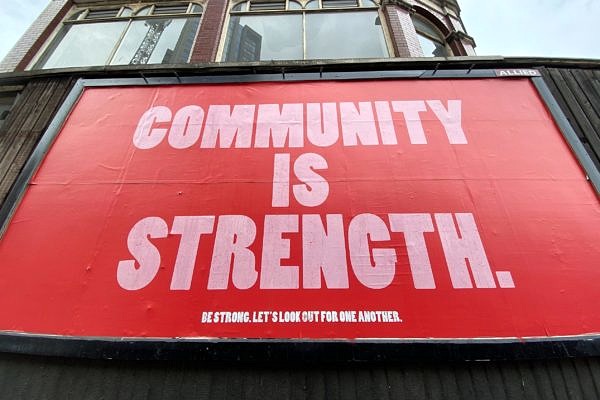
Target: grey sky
pixel 553 28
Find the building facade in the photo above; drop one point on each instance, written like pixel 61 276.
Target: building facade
pixel 218 31
pixel 294 199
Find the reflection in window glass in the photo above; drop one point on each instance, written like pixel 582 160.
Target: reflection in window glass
pixel 144 11
pixel 337 35
pixel 116 36
pixel 368 3
pixel 84 45
pixel 196 8
pixel 431 48
pixel 126 12
pixel 156 41
pixel 240 7
pixel 301 33
pixel 425 28
pixel 269 37
pixel 431 39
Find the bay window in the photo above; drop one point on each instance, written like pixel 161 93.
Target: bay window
pixel 152 34
pixel 316 29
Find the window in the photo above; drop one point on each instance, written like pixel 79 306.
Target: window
pixel 155 34
pixel 315 29
pixel 431 39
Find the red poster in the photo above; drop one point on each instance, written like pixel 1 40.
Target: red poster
pixel 441 209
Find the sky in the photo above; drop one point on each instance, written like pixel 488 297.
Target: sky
pixel 545 28
pixel 15 18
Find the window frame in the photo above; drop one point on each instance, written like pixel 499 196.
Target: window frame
pixel 80 14
pixel 362 5
pixel 441 39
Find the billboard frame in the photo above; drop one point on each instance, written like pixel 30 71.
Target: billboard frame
pixel 296 350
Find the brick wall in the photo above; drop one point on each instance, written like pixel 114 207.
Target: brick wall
pixel 397 12
pixel 207 41
pixel 403 32
pixel 32 40
pixel 446 18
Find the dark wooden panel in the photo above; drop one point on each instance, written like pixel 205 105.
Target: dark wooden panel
pixel 590 86
pixel 29 377
pixel 578 94
pixel 17 116
pixel 19 135
pixel 26 123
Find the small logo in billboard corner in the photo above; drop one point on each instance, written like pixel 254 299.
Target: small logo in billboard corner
pixel 517 73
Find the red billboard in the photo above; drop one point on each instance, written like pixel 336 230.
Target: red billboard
pixel 440 209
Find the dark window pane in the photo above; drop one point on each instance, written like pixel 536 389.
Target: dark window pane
pixel 344 35
pixel 264 37
pixel 267 5
pixel 339 3
pixel 176 9
pixel 97 14
pixel 157 41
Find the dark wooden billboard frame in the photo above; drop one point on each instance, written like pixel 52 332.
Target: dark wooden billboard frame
pixel 297 350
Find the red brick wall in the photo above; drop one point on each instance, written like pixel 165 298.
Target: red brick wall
pixel 404 37
pixel 207 41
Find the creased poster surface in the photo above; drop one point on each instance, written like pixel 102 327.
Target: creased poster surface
pixel 368 209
